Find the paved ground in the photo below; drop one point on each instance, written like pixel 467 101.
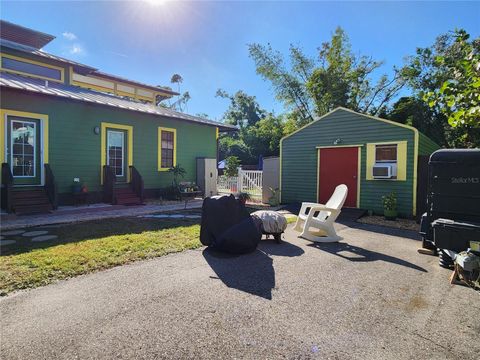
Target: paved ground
pixel 369 297
pixel 71 214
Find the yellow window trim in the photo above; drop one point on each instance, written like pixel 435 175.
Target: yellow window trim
pixel 115 90
pixel 103 145
pixel 61 69
pixel 359 168
pixel 160 129
pixel 402 157
pixel 92 86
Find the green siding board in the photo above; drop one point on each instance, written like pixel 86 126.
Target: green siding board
pixel 299 158
pixel 74 148
pixel 426 145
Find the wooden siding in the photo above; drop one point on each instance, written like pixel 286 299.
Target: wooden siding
pixel 74 148
pixel 299 158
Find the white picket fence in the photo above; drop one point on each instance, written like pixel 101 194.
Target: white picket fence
pixel 248 181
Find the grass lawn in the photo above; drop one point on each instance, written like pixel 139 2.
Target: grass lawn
pixel 90 246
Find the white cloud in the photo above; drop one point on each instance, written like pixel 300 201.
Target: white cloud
pixel 76 49
pixel 69 36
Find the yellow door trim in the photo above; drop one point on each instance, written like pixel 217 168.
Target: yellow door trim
pixel 103 145
pixel 160 129
pixel 44 145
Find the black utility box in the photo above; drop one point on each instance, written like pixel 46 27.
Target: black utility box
pixel 454 235
pixel 453 201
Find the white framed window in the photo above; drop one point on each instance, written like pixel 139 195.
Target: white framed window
pixel 23 148
pixel 116 151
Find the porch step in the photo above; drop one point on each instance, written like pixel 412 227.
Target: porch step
pixel 125 196
pixel 30 201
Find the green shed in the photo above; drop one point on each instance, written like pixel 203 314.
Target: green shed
pixel 372 156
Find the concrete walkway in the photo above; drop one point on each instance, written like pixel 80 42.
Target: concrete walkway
pixel 372 296
pixel 70 215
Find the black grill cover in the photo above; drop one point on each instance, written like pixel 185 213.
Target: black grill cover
pixel 226 226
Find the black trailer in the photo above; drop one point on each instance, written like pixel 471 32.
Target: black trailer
pixel 452 219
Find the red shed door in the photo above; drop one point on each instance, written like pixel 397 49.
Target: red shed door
pixel 338 166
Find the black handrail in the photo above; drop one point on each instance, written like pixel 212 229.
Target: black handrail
pixel 51 187
pixel 137 183
pixel 7 186
pixel 109 180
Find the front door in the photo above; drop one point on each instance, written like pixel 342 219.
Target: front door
pixel 117 152
pixel 338 166
pixel 23 150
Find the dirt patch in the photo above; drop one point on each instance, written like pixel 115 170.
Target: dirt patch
pixel 405 224
pixel 417 303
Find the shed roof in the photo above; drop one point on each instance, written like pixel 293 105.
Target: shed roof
pixel 14 81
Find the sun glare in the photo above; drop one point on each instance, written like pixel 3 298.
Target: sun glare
pixel 157 2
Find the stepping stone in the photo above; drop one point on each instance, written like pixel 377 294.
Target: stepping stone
pixel 44 238
pixel 192 216
pixel 7 242
pixel 1 237
pixel 13 232
pixel 177 216
pixel 35 233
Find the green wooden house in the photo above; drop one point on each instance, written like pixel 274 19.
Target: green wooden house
pixel 62 121
pixel 372 156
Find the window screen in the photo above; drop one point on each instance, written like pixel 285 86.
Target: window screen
pixel 386 153
pixel 168 144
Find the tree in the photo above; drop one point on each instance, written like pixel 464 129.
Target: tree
pixel 289 85
pixel 243 110
pixel 177 79
pixel 336 78
pixel 180 104
pixel 432 72
pixel 411 110
pixel 232 163
pixel 459 96
pixel 259 131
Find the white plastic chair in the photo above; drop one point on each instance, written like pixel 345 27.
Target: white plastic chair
pixel 321 217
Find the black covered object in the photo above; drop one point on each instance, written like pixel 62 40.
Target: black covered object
pixel 453 211
pixel 454 185
pixel 227 226
pixel 241 238
pixel 454 235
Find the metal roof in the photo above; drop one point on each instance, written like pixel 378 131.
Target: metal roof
pixel 33 51
pixel 24 83
pixel 23 35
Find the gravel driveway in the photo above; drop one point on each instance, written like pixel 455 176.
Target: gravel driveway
pixel 369 297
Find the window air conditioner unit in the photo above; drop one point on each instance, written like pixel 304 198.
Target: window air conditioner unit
pixel 384 170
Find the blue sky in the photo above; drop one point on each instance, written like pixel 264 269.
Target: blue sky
pixel 206 42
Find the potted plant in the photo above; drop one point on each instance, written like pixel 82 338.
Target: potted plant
pixel 274 200
pixel 177 171
pixel 76 186
pixel 390 206
pixel 243 197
